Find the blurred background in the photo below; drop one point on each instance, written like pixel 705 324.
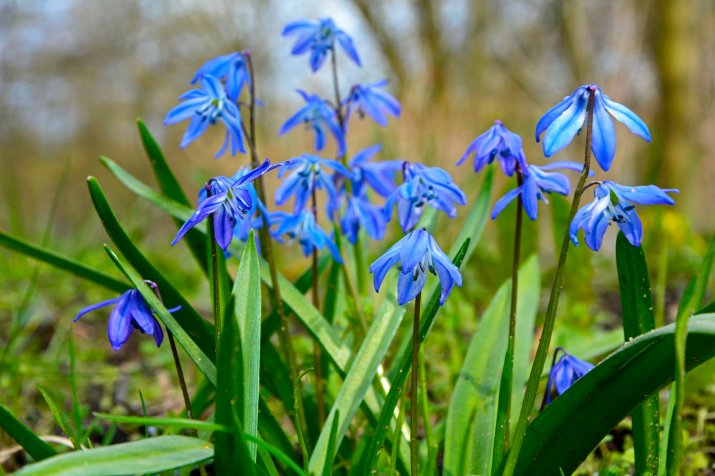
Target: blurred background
pixel 75 75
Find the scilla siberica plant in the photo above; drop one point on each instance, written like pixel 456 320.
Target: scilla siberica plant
pixel 258 383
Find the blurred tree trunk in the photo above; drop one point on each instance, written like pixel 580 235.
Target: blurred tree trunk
pixel 674 42
pixel 369 11
pixel 429 27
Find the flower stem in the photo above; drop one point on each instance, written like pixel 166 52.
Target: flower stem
pixel 264 238
pixel 357 247
pixel 550 318
pixel 319 385
pixel 414 443
pixel 214 277
pixel 505 388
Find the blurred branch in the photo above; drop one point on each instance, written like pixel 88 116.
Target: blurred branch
pixel 432 42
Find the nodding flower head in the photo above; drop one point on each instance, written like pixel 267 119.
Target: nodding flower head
pixel 207 106
pixel 424 186
pixel 318 37
pixel 564 373
pixel 370 99
pixel 318 116
pixel 232 68
pixel 130 312
pixel 416 254
pixel 536 184
pixel 310 174
pixel 303 227
pixel 614 203
pixel 500 143
pixel 360 213
pixel 562 122
pixel 229 201
pixel 378 175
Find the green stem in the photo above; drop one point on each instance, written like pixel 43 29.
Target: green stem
pixel 214 277
pixel 415 373
pixel 397 439
pixel 317 361
pixel 264 238
pixel 424 401
pixel 550 318
pixel 501 445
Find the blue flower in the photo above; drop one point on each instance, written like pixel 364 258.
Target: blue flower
pixel 417 252
pixel 232 68
pixel 205 107
pixel 536 183
pixel 380 176
pixel 130 312
pixel 318 37
pixel 615 203
pixel 303 227
pixel 424 186
pixel 564 373
pixel 317 114
pixel 563 121
pixel 376 103
pixel 229 202
pixel 360 213
pixel 497 142
pixel 310 174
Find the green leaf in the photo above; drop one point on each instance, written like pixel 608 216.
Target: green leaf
pixel 369 456
pixel 328 468
pixel 184 423
pixel 194 325
pixel 357 382
pixel 231 448
pixel 474 400
pixel 563 435
pixel 24 437
pixel 638 318
pixel 471 416
pixel 151 455
pixel 172 189
pixel 61 262
pixel 247 299
pixel 192 349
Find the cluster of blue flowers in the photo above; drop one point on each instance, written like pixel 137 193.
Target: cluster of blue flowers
pixel 560 124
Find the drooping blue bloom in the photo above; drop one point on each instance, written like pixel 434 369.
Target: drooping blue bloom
pixel 417 253
pixel 130 312
pixel 380 176
pixel 360 213
pixel 205 107
pixel 310 173
pixel 564 373
pixel 232 68
pixel 318 37
pixel 497 142
pixel 536 183
pixel 371 100
pixel 317 115
pixel 303 227
pixel 230 202
pixel 563 121
pixel 616 203
pixel 423 186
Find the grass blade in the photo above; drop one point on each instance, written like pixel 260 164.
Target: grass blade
pixel 151 455
pixel 60 416
pixel 24 436
pixel 639 318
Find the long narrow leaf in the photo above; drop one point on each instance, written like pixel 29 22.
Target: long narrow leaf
pixel 59 261
pixel 357 382
pixel 563 435
pixel 638 318
pixel 151 455
pixel 24 437
pixel 247 301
